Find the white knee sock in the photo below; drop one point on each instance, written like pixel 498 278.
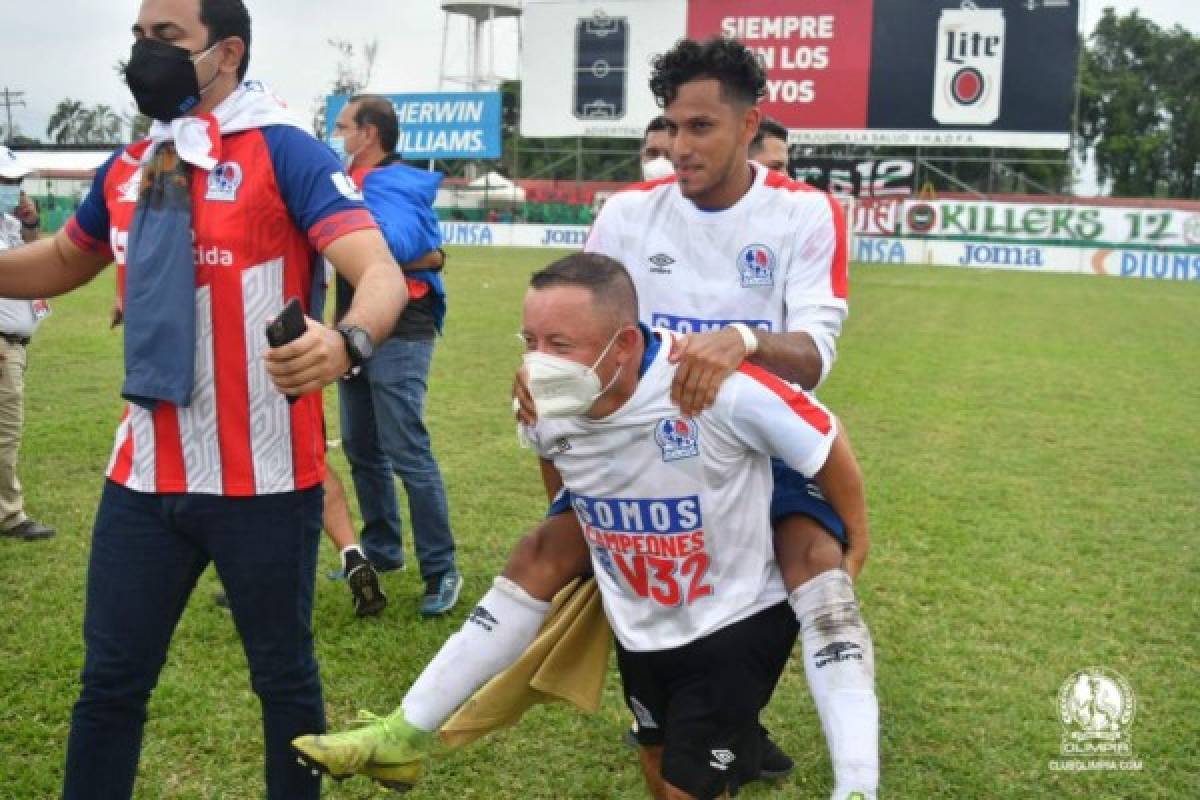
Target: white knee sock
pixel 496 633
pixel 839 662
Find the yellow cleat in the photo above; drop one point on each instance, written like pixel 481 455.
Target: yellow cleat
pixel 386 749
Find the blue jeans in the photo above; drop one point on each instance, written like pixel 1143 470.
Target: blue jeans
pixel 383 431
pixel 147 552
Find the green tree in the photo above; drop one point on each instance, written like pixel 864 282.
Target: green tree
pixel 68 122
pixel 1139 116
pixel 101 125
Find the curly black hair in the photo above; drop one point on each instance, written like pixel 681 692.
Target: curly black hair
pixel 738 69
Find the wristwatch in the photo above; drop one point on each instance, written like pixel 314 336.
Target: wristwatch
pixel 358 347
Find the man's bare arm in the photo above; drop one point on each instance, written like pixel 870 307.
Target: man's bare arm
pixel 48 268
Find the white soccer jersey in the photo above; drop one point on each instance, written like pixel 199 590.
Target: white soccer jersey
pixel 676 510
pixel 775 260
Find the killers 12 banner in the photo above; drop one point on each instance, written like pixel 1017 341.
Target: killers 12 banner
pixel 983 73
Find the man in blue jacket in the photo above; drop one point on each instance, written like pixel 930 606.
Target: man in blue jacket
pixel 382 407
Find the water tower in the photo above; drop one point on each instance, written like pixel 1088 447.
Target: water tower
pixel 480 18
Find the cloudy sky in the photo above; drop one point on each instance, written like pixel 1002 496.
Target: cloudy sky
pixel 52 49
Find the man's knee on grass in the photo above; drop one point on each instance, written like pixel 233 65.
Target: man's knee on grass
pixel 547 558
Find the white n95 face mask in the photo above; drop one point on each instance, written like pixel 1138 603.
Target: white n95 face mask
pixel 656 168
pixel 563 388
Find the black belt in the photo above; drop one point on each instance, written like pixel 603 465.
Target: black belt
pixel 13 338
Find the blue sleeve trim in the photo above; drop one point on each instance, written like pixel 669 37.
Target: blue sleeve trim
pixel 92 214
pixel 306 172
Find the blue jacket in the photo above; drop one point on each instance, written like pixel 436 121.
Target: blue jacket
pixel 400 199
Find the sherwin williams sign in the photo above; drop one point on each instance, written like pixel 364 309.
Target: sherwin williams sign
pixel 445 125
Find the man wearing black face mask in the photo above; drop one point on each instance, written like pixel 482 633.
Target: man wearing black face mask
pixel 214 221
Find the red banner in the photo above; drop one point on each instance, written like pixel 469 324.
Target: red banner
pixel 817 54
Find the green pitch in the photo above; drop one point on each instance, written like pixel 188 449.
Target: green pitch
pixel 1032 450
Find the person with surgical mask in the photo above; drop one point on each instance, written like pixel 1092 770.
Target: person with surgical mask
pixel 656 151
pixel 18 320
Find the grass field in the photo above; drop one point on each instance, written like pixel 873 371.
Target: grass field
pixel 1032 450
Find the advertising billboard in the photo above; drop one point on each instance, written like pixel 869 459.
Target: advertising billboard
pixel 938 73
pixel 442 125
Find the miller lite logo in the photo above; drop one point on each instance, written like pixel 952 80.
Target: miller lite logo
pixel 970 66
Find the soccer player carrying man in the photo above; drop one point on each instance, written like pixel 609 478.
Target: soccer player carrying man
pixel 749 265
pixel 675 514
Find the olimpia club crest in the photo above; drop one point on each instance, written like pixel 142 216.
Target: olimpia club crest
pixel 1096 706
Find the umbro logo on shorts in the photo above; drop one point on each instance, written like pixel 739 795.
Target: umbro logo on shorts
pixel 721 759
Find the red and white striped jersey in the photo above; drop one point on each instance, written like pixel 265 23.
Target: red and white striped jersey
pixel 675 509
pixel 775 260
pixel 260 217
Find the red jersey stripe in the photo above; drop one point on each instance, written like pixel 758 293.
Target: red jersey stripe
pixel 839 270
pixel 170 473
pixel 796 400
pixel 233 391
pixel 123 459
pixel 777 180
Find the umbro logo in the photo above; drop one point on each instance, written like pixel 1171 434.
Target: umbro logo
pixel 721 759
pixel 837 652
pixel 483 618
pixel 661 263
pixel 561 445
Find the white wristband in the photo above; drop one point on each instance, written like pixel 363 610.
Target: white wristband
pixel 749 339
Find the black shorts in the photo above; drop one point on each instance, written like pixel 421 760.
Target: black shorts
pixel 701 701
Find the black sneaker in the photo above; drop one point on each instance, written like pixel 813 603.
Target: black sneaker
pixel 776 764
pixel 29 531
pixel 369 599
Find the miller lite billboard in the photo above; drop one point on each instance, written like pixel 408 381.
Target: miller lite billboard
pixel 932 73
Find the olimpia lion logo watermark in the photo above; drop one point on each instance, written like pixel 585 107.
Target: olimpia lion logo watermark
pixel 1096 707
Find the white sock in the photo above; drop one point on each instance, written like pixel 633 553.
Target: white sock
pixel 346 550
pixel 498 630
pixel 839 662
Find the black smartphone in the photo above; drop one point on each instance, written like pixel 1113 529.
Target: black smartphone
pixel 601 53
pixel 287 327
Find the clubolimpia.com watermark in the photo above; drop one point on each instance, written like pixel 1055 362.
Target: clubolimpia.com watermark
pixel 1096 707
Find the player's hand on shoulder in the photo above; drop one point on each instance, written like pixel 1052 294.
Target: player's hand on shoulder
pixel 705 360
pixel 310 362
